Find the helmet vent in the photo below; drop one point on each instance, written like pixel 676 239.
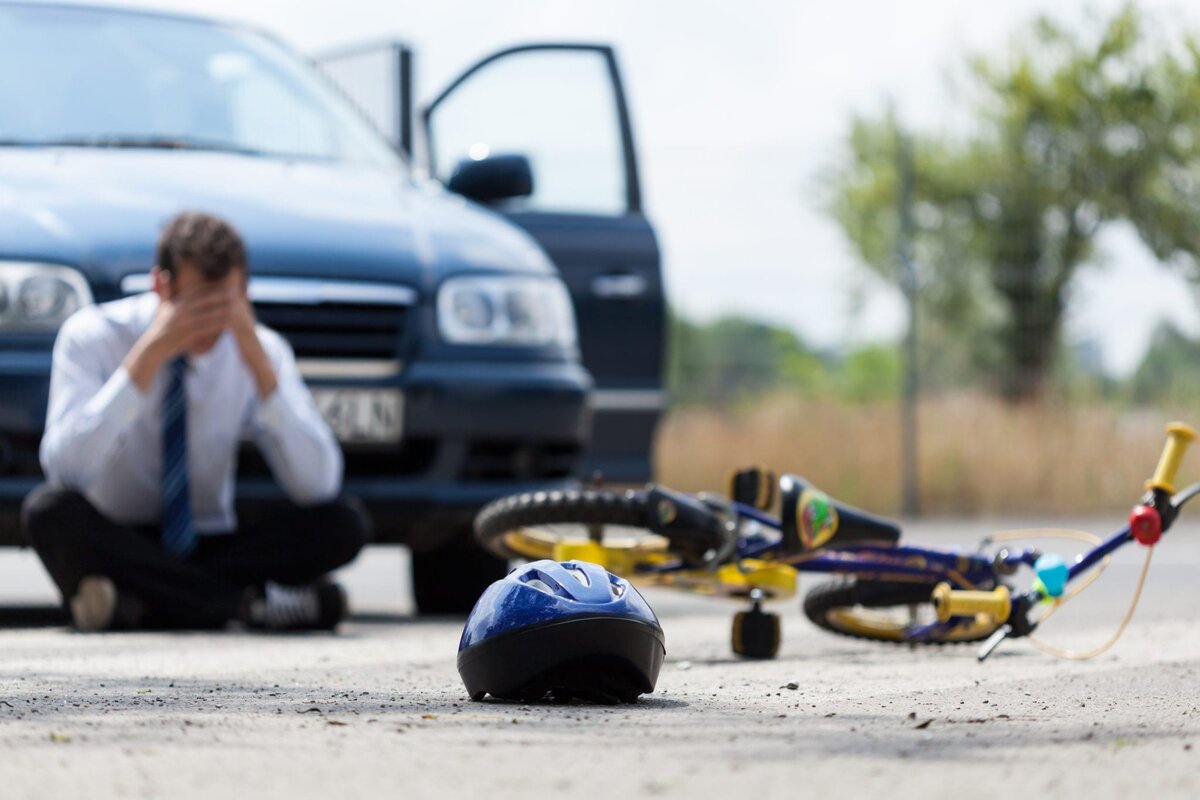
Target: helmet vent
pixel 575 572
pixel 578 582
pixel 544 582
pixel 540 585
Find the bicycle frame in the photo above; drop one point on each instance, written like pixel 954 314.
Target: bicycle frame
pixel 892 562
pixel 879 562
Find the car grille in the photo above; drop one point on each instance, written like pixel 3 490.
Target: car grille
pixel 338 330
pixel 519 460
pixel 413 457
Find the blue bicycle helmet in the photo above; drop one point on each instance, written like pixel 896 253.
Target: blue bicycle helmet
pixel 569 630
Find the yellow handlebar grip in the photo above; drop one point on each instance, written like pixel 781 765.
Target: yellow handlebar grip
pixel 950 603
pixel 1179 436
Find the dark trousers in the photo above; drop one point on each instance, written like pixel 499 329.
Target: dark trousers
pixel 207 589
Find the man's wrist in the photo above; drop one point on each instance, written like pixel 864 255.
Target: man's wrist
pixel 264 378
pixel 147 357
pixel 257 361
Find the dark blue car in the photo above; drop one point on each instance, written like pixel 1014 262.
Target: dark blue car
pixel 495 328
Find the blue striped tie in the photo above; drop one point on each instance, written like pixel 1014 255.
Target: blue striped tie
pixel 178 533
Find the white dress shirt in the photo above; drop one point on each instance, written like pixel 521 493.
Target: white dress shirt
pixel 104 435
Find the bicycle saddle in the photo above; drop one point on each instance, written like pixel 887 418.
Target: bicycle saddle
pixel 810 519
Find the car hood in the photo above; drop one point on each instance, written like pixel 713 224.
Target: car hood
pixel 102 210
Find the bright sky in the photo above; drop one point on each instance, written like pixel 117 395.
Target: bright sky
pixel 738 107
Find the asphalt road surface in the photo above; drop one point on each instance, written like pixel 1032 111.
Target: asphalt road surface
pixel 377 711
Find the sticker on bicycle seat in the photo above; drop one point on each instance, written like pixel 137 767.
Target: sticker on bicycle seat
pixel 666 512
pixel 818 518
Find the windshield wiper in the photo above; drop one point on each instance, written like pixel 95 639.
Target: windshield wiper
pixel 136 143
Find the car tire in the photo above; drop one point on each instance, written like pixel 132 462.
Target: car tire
pixel 450 579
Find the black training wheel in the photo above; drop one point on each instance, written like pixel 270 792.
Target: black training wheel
pixel 756 634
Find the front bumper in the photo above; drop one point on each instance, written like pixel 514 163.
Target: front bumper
pixel 472 432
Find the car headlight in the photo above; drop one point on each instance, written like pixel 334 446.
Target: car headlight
pixel 39 297
pixel 506 310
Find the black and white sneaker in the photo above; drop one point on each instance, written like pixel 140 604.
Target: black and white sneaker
pixel 278 607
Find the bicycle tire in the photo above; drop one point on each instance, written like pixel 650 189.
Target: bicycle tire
pixel 629 509
pixel 823 602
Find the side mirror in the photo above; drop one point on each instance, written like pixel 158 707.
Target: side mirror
pixel 488 180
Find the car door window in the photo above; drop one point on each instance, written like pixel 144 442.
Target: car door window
pixel 556 107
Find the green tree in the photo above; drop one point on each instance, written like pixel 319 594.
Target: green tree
pixel 1169 371
pixel 1071 129
pixel 870 374
pixel 734 357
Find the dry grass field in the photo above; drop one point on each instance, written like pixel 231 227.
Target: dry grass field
pixel 977 455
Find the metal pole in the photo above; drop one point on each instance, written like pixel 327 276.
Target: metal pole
pixel 910 487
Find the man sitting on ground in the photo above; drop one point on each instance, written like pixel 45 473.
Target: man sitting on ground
pixel 149 398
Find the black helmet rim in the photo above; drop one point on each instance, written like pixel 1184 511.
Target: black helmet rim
pixel 604 658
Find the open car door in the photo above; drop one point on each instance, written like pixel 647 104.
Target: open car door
pixel 377 78
pixel 562 107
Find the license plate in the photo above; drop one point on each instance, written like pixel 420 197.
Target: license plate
pixel 362 415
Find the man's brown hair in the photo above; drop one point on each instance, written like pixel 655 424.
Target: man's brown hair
pixel 207 242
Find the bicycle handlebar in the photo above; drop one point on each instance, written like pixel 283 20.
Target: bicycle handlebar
pixel 1179 436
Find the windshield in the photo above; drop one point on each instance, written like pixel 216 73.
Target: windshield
pixel 91 77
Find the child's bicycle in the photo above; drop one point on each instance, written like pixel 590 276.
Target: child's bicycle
pixel 886 591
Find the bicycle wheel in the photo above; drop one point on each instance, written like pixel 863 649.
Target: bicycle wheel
pixel 531 525
pixel 884 611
